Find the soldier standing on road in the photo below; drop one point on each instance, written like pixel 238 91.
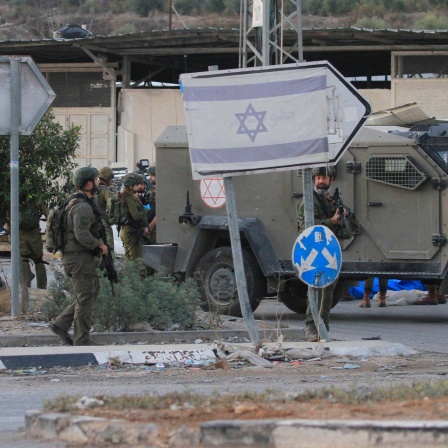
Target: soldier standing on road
pixel 104 195
pixel 82 227
pixel 133 222
pixel 325 213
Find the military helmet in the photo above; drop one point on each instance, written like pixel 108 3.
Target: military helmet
pixel 106 173
pixel 82 175
pixel 143 179
pixel 329 171
pixel 152 170
pixel 131 179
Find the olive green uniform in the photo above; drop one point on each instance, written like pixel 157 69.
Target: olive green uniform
pixel 83 230
pixel 31 248
pixel 132 227
pixel 324 210
pixel 152 212
pixel 104 195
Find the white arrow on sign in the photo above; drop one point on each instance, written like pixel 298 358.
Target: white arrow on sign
pixel 269 118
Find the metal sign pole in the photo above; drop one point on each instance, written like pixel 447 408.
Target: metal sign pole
pixel 14 171
pixel 307 179
pixel 238 263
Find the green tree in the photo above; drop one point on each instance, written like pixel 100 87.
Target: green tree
pixel 46 163
pixel 231 7
pixel 143 7
pixel 214 5
pixel 431 21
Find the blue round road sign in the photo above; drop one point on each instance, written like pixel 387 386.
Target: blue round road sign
pixel 317 256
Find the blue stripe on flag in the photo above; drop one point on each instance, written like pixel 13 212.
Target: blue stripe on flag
pixel 259 153
pixel 253 91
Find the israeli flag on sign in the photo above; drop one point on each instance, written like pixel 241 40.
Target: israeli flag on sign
pixel 265 118
pixel 317 256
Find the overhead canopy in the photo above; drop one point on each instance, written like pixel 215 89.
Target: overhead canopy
pixel 405 115
pixel 164 55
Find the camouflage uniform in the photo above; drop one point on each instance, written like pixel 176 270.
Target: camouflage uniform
pixel 151 214
pixel 104 195
pixel 83 229
pixel 31 247
pixel 324 209
pixel 132 227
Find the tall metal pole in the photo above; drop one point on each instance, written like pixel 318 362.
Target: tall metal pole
pixel 14 172
pixel 238 263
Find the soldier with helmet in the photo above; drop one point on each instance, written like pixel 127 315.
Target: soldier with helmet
pixel 104 195
pixel 82 227
pixel 326 213
pixel 133 221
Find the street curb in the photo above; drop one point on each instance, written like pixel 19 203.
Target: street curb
pixel 269 433
pixel 325 433
pixel 95 430
pixel 156 337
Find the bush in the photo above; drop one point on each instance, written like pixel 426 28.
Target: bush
pixel 155 299
pixel 431 21
pixel 374 23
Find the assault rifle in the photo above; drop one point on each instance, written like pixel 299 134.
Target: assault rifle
pixel 138 231
pixel 337 197
pixel 107 264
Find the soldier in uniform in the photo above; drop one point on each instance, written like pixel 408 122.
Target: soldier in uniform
pixel 30 241
pixel 152 203
pixel 79 255
pixel 133 221
pixel 104 195
pixel 325 213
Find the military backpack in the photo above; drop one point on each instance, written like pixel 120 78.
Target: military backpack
pixel 56 235
pixel 29 217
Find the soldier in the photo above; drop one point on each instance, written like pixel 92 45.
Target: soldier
pixel 82 226
pixel 151 195
pixel 104 195
pixel 133 222
pixel 325 213
pixel 368 285
pixel 30 240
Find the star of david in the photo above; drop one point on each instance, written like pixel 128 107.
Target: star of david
pixel 249 115
pixel 208 194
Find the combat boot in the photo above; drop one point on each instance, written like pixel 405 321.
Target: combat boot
pixel 441 299
pixel 381 299
pixel 311 332
pixel 365 302
pixel 430 299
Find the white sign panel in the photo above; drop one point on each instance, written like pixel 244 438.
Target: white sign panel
pixel 266 118
pixel 36 95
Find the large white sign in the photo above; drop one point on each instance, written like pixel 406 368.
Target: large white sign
pixel 267 118
pixel 36 95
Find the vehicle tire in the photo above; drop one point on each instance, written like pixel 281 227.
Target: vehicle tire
pixel 295 298
pixel 215 277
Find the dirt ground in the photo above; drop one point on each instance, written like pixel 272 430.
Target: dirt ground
pixel 343 393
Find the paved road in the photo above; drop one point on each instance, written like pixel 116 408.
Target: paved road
pixel 423 328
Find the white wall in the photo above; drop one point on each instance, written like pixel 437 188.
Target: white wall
pixel 379 99
pixel 144 116
pixel 431 95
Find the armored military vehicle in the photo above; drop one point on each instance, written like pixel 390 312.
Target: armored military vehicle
pixel 394 183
